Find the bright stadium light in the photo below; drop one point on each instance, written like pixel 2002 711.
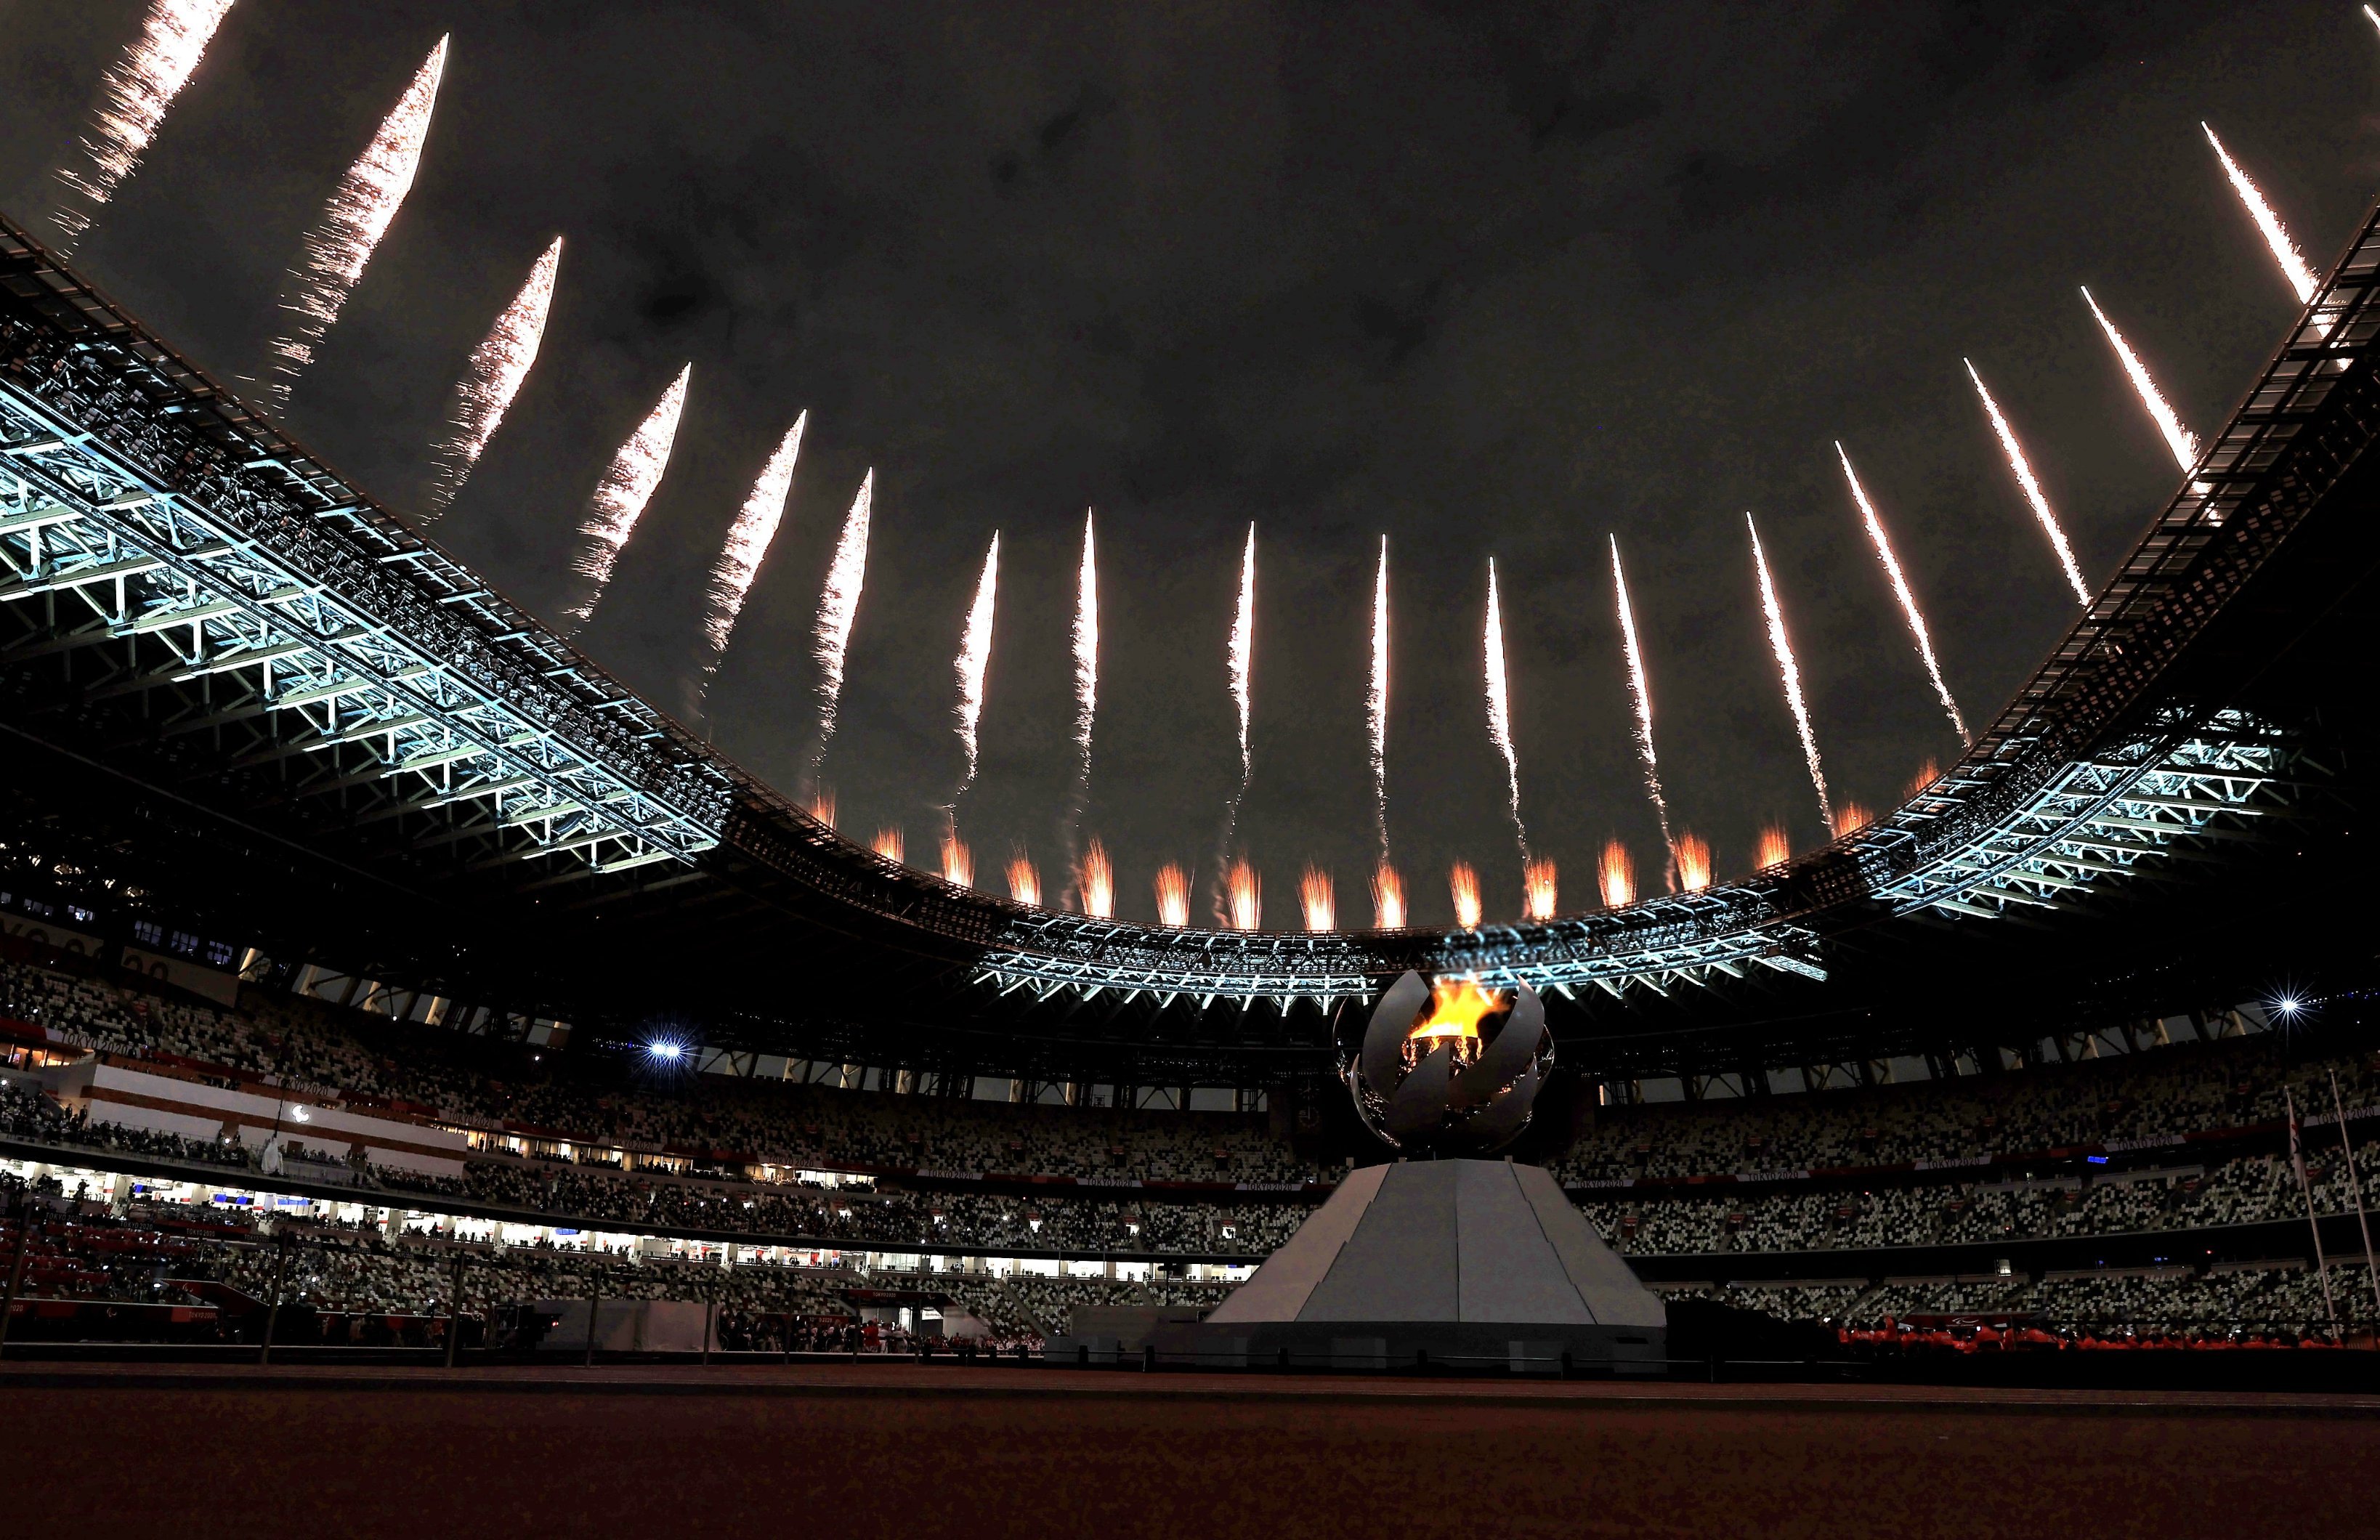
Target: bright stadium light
pixel 665 1051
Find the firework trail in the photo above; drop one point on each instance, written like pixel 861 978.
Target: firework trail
pixel 1901 591
pixel 1024 882
pixel 1500 710
pixel 1388 898
pixel 1247 896
pixel 821 805
pixel 891 844
pixel 353 222
pixel 132 103
pixel 2181 440
pixel 1775 848
pixel 491 378
pixel 1927 773
pixel 1850 818
pixel 1240 656
pixel 1315 896
pixel 1173 896
pixel 621 496
pixel 2032 486
pixel 974 658
pixel 1086 666
pixel 1617 873
pixel 1643 691
pixel 1098 880
pixel 1463 886
pixel 748 542
pixel 1540 890
pixel 1790 673
pixel 2277 236
pixel 838 607
pixel 1694 864
pixel 2372 16
pixel 958 862
pixel 1376 701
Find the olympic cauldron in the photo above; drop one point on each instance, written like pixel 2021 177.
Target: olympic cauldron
pixel 1452 1068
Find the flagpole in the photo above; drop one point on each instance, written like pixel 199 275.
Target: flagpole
pixel 2355 1186
pixel 2297 1159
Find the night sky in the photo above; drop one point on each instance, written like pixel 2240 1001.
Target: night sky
pixel 1489 279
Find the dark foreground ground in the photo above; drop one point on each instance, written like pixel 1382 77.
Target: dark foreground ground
pixel 896 1449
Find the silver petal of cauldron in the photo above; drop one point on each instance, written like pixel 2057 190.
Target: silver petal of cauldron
pixel 1433 1106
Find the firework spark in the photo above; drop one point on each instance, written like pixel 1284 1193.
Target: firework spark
pixel 1927 773
pixel 1540 890
pixel 1376 701
pixel 1693 856
pixel 1239 654
pixel 747 544
pixel 1388 898
pixel 132 103
pixel 1617 876
pixel 1172 895
pixel 1097 877
pixel 891 844
pixel 492 378
pixel 1901 591
pixel 838 607
pixel 821 805
pixel 2032 487
pixel 1790 673
pixel 1086 661
pixel 2268 223
pixel 1500 710
pixel 2181 440
pixel 621 496
pixel 1321 902
pixel 2372 16
pixel 1850 818
pixel 1775 848
pixel 975 657
pixel 958 862
pixel 1023 881
pixel 1643 691
pixel 359 215
pixel 1247 896
pixel 1463 885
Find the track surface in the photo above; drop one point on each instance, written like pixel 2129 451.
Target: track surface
pixel 896 1449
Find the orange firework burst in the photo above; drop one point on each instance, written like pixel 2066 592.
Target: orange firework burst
pixel 1172 895
pixel 1024 882
pixel 1539 894
pixel 1927 773
pixel 1247 896
pixel 823 806
pixel 1098 878
pixel 891 844
pixel 1617 876
pixel 1388 898
pixel 1775 848
pixel 1463 884
pixel 1693 862
pixel 1850 818
pixel 958 862
pixel 1321 904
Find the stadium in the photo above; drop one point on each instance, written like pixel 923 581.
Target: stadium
pixel 395 992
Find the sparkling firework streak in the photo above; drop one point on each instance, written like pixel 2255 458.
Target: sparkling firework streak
pixel 1463 886
pixel 1024 882
pixel 1901 591
pixel 1540 890
pixel 2268 223
pixel 1247 896
pixel 821 805
pixel 2372 16
pixel 621 496
pixel 2181 440
pixel 132 103
pixel 1086 663
pixel 359 215
pixel 1172 895
pixel 958 862
pixel 1775 848
pixel 1376 701
pixel 2032 486
pixel 891 844
pixel 1790 673
pixel 747 544
pixel 1617 875
pixel 1639 688
pixel 1240 655
pixel 975 657
pixel 1321 902
pixel 1098 880
pixel 1693 856
pixel 1388 898
pixel 1500 710
pixel 838 607
pixel 492 378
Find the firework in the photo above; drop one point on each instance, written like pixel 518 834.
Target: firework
pixel 839 606
pixel 1927 773
pixel 1850 818
pixel 747 544
pixel 1775 848
pixel 1247 896
pixel 621 496
pixel 1642 690
pixel 359 215
pixel 1462 884
pixel 2032 487
pixel 2268 224
pixel 975 656
pixel 132 103
pixel 1172 895
pixel 1388 898
pixel 2372 16
pixel 821 805
pixel 958 862
pixel 1616 875
pixel 1901 591
pixel 1315 896
pixel 492 378
pixel 1694 860
pixel 891 844
pixel 1539 889
pixel 1500 710
pixel 1240 655
pixel 1097 877
pixel 1376 701
pixel 1023 881
pixel 1086 662
pixel 2181 440
pixel 1790 673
